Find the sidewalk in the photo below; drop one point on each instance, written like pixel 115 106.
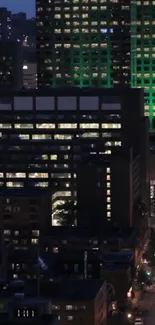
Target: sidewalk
pixel 135 302
pixel 137 298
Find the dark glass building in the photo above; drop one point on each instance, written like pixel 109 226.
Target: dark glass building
pixel 11 72
pixel 44 135
pixel 5 25
pixel 86 43
pixel 145 76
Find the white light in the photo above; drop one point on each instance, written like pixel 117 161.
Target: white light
pixel 129 315
pixel 25 67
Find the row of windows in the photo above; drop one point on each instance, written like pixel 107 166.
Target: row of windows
pixel 7 232
pixel 62 126
pixel 57 136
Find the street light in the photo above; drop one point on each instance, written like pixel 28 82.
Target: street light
pixel 129 315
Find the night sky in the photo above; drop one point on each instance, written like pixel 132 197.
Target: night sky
pixel 27 6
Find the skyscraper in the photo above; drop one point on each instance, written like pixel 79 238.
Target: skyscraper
pixel 145 76
pixel 85 43
pixel 5 24
pixel 98 43
pixel 11 74
pixel 45 136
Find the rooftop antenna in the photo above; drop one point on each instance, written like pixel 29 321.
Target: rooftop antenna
pixel 85 264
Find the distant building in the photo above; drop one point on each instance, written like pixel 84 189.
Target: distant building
pixel 109 239
pixel 29 68
pixel 25 208
pixel 108 191
pixel 79 302
pixel 110 266
pixel 17 307
pixel 63 252
pixel 152 190
pixel 11 73
pixel 79 43
pixel 24 30
pixel 5 25
pixel 30 75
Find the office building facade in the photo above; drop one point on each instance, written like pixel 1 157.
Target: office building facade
pixel 11 72
pixel 30 75
pixel 109 191
pixel 86 43
pixel 5 25
pixel 34 206
pixel 46 134
pixel 145 65
pixel 95 43
pixel 78 301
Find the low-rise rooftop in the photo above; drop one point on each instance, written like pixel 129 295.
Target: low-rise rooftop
pixel 73 289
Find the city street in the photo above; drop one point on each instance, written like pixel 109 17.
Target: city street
pixel 147 306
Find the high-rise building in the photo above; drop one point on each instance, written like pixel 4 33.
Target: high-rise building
pixel 98 43
pixel 24 30
pixel 145 75
pixel 45 134
pixel 30 75
pixel 11 72
pixel 29 69
pixel 108 190
pixel 86 43
pixel 5 25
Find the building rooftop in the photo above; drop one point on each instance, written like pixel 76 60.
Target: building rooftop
pixel 44 320
pixel 72 289
pixel 74 91
pixel 125 257
pixel 62 289
pixel 30 301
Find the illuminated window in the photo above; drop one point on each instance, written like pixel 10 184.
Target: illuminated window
pixel 16 175
pixel 67 126
pixel 24 136
pixel 23 126
pixel 41 136
pixel 15 184
pixel 61 193
pixel 89 126
pixel 63 136
pixel 45 126
pixel 34 241
pixel 41 184
pixel 35 232
pixel 111 126
pixel 53 157
pixel 5 126
pixel 38 175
